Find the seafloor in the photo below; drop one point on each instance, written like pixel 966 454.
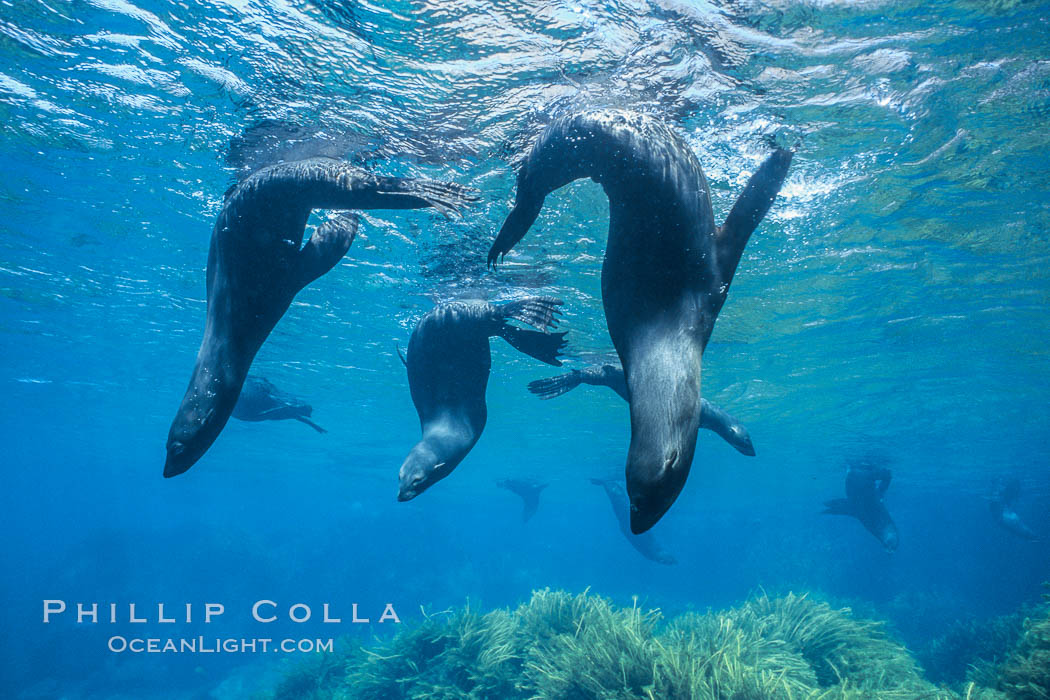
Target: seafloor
pixel 578 647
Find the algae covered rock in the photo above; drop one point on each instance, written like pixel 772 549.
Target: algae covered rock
pixel 584 647
pixel 1026 673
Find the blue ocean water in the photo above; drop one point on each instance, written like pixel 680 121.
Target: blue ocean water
pixel 893 302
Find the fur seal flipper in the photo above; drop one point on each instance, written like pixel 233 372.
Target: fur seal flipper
pixel 646 543
pixel 260 400
pixel 866 484
pixel 712 417
pixel 256 267
pixel 665 277
pixel 448 367
pixel 529 492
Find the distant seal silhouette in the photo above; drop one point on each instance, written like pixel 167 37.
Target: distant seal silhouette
pixel 646 543
pixel 260 400
pixel 256 267
pixel 448 370
pixel 712 417
pixel 665 277
pixel 529 492
pixel 866 484
pixel 1002 507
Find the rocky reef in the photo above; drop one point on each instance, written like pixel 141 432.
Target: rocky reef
pixel 582 647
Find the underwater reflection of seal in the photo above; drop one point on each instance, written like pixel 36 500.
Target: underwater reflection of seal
pixel 866 485
pixel 260 400
pixel 448 371
pixel 529 492
pixel 256 267
pixel 646 543
pixel 712 417
pixel 1002 507
pixel 665 277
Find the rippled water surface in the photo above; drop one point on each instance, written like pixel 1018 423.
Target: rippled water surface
pixel 894 301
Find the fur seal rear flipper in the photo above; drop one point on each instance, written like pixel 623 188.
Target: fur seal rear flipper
pixel 866 485
pixel 646 543
pixel 448 367
pixel 1002 507
pixel 665 277
pixel 529 492
pixel 256 267
pixel 260 400
pixel 712 417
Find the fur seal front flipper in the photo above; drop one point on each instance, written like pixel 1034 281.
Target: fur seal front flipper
pixel 866 485
pixel 448 367
pixel 646 543
pixel 712 417
pixel 260 400
pixel 529 492
pixel 1002 506
pixel 256 267
pixel 665 277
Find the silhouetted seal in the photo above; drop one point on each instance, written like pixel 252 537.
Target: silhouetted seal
pixel 712 417
pixel 260 400
pixel 665 277
pixel 646 543
pixel 1002 506
pixel 448 370
pixel 256 267
pixel 529 492
pixel 866 484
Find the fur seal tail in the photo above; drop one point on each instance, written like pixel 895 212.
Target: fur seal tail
pixel 550 387
pixel 315 426
pixel 545 347
pixel 837 506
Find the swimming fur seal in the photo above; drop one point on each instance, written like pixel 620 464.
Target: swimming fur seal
pixel 448 370
pixel 712 417
pixel 529 492
pixel 1002 506
pixel 665 277
pixel 256 267
pixel 260 400
pixel 866 484
pixel 646 543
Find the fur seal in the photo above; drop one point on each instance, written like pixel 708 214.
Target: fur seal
pixel 1002 506
pixel 712 417
pixel 866 484
pixel 646 543
pixel 256 267
pixel 529 492
pixel 665 277
pixel 260 400
pixel 448 370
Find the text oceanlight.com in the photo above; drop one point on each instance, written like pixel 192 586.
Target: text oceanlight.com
pixel 216 645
